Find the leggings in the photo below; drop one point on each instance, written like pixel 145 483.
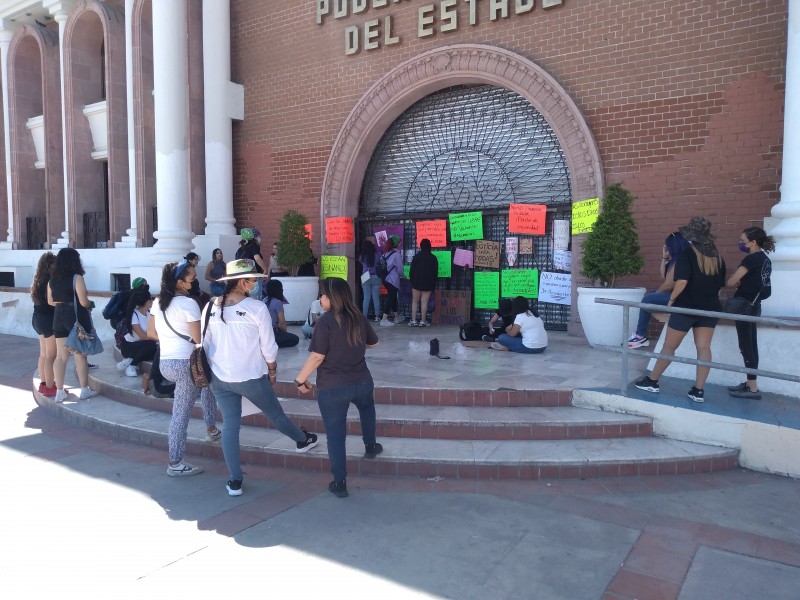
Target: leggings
pixel 139 351
pixel 390 306
pixel 186 394
pixel 748 342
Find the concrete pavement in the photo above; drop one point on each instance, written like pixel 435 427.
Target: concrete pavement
pixel 87 517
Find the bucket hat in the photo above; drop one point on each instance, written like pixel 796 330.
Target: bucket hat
pixel 698 231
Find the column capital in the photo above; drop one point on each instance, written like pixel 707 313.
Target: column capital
pixel 7 31
pixel 60 9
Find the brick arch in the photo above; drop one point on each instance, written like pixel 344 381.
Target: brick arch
pixel 440 68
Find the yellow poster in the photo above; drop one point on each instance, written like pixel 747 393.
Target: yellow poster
pixel 584 215
pixel 333 266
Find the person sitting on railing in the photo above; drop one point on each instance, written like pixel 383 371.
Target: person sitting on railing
pixel 699 275
pixel 754 285
pixel 673 246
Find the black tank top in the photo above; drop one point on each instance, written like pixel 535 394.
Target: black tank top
pixel 62 289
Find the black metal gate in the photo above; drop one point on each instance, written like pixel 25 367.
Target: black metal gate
pixel 470 148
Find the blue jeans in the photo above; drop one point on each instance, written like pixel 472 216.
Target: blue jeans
pixel 307 330
pixel 333 404
pixel 229 400
pixel 372 291
pixel 515 345
pixel 644 317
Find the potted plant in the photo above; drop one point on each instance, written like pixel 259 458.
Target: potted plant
pixel 611 250
pixel 294 250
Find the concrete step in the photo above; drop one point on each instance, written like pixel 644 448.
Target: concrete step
pixel 416 457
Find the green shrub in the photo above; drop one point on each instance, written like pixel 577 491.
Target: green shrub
pixel 294 247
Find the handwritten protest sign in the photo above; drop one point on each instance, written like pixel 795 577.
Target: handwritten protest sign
pixel 562 260
pixel 527 218
pixel 487 289
pixel 339 230
pixel 555 288
pixel 406 271
pixel 487 254
pixel 512 245
pixel 525 246
pixel 464 258
pixel 333 266
pixel 435 231
pixel 520 282
pixel 466 226
pixel 584 215
pixel 309 231
pixel 452 307
pixel 560 234
pixel 445 259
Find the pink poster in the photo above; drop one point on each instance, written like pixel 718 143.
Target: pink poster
pixel 464 258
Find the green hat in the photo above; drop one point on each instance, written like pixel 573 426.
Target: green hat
pixel 247 234
pixel 395 240
pixel 139 282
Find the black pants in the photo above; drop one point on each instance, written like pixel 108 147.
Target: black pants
pixel 390 306
pixel 748 342
pixel 284 339
pixel 139 351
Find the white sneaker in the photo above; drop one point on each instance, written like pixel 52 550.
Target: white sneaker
pixel 87 393
pixel 182 469
pixel 387 323
pixel 61 395
pixel 123 364
pixel 131 371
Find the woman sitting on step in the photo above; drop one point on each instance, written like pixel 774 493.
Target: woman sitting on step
pixel 136 347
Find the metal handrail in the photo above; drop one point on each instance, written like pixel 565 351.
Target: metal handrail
pixel 790 322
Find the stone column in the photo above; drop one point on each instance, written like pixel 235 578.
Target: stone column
pixel 784 225
pixel 60 12
pixel 170 71
pixel 6 33
pixel 129 239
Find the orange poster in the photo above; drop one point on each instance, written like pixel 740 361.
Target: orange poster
pixel 435 231
pixel 339 230
pixel 527 218
pixel 309 231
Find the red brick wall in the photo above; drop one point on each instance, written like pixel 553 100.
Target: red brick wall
pixel 684 100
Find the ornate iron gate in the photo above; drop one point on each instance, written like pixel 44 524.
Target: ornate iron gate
pixel 469 148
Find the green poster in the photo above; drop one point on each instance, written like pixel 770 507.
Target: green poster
pixel 333 266
pixel 445 259
pixel 487 289
pixel 520 282
pixel 466 226
pixel 407 271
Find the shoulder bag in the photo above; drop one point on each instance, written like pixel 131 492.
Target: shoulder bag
pixel 80 341
pixel 199 367
pixel 741 306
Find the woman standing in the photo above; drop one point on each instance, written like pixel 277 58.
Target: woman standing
pixel 394 264
pixel 245 329
pixel 136 346
pixel 175 322
pixel 337 354
pixel 533 338
pixel 423 273
pixel 67 285
pixel 699 275
pixel 42 322
pixel 754 285
pixel 275 301
pixel 371 286
pixel 214 270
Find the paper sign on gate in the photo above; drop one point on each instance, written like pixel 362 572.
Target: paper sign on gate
pixel 309 232
pixel 512 245
pixel 584 215
pixel 555 288
pixel 464 258
pixel 445 259
pixel 527 218
pixel 333 266
pixel 487 289
pixel 407 271
pixel 487 254
pixel 560 235
pixel 382 233
pixel 520 282
pixel 339 230
pixel 466 226
pixel 562 260
pixel 435 231
pixel 525 246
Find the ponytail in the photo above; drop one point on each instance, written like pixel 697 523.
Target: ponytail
pixel 760 237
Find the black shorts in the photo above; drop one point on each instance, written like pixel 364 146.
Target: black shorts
pixel 43 324
pixel 686 322
pixel 63 320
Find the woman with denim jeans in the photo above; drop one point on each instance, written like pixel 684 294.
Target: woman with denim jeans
pixel 244 330
pixel 526 334
pixel 371 286
pixel 337 353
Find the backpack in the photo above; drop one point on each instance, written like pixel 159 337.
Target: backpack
pixel 115 309
pixel 472 331
pixel 121 331
pixel 382 269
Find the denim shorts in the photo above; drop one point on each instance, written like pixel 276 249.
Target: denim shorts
pixel 684 323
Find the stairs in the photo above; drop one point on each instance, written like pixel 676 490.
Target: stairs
pixel 483 434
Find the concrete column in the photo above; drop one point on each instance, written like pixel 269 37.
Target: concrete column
pixel 784 225
pixel 216 82
pixel 129 239
pixel 170 71
pixel 6 33
pixel 60 12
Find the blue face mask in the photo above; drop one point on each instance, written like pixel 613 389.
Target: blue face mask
pixel 743 247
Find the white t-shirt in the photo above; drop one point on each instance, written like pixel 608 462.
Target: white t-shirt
pixel 181 312
pixel 139 319
pixel 240 348
pixel 316 309
pixel 532 329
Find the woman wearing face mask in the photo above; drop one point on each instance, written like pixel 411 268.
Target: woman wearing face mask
pixel 752 279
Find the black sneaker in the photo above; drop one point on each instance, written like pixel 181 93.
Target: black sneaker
pixel 308 443
pixel 234 487
pixel 372 450
pixel 92 365
pixel 746 393
pixel 338 488
pixel 696 395
pixel 738 388
pixel 647 384
pixel 487 338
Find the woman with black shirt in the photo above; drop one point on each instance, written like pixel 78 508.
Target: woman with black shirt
pixel 337 349
pixel 754 285
pixel 699 275
pixel 43 323
pixel 66 285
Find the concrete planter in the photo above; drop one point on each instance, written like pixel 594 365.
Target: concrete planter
pixel 602 323
pixel 97 115
pixel 300 292
pixel 36 126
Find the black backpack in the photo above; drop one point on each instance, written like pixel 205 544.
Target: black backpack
pixel 471 331
pixel 382 269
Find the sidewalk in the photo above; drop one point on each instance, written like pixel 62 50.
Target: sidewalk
pixel 86 517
